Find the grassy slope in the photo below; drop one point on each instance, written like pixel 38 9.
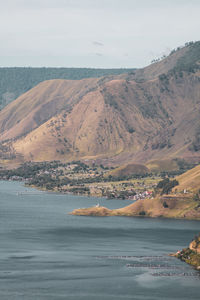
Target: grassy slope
pixel 116 120
pixel 190 180
pixel 155 69
pixel 128 170
pixel 179 207
pixel 162 165
pixel 17 81
pixel 96 128
pixel 39 104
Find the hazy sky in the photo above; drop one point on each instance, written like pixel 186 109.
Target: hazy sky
pixel 94 33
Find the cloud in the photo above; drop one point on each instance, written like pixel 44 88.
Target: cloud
pixel 97 43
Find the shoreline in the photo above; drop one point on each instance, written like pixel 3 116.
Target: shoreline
pixel 43 189
pixel 140 211
pixel 191 254
pixel 190 257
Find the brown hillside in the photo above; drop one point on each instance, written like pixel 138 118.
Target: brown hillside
pixel 157 68
pixel 128 170
pixel 124 121
pixel 41 103
pixel 114 120
pixel 189 181
pixel 178 207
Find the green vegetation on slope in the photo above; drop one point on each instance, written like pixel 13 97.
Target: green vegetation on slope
pixel 16 81
pixel 166 185
pixel 190 61
pixel 191 255
pixel 196 142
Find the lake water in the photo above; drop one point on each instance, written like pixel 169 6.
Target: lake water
pixel 45 253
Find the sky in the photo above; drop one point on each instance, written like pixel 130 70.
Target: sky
pixel 94 33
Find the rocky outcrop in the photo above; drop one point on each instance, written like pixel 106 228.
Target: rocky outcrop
pixel 195 245
pixel 191 255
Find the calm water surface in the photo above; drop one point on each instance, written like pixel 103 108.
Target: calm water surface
pixel 45 253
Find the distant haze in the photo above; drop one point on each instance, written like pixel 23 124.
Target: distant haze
pixel 94 33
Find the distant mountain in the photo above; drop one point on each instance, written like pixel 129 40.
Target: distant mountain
pixel 144 117
pixel 16 81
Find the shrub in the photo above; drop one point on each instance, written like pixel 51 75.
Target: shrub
pixel 165 205
pixel 131 130
pixel 166 185
pixel 142 213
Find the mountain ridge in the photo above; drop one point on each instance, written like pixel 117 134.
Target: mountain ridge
pixel 117 119
pixel 15 81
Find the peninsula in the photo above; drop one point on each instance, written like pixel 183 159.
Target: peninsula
pixel 183 201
